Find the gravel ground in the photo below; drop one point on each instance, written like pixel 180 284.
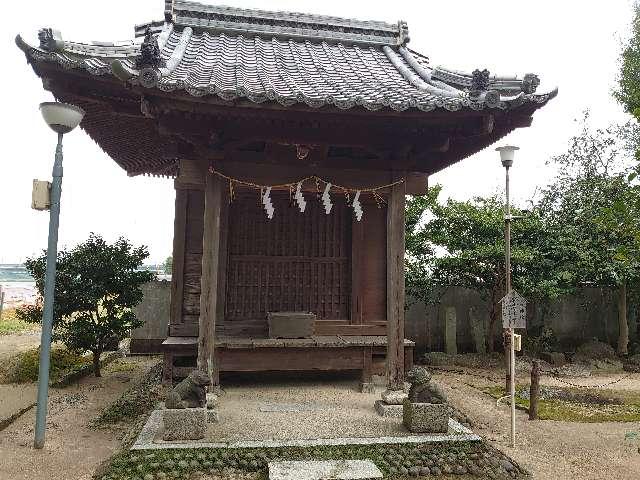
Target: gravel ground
pixel 326 410
pixel 550 450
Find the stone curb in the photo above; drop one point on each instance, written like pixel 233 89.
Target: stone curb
pixel 154 423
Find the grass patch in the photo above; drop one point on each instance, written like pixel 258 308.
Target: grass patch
pixel 11 324
pixel 615 406
pixel 139 399
pixel 23 367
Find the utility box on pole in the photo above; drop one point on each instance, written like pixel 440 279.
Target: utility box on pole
pixel 41 195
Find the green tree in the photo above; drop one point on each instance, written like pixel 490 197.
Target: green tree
pixel 97 285
pixel 167 266
pixel 462 244
pixel 628 92
pixel 595 198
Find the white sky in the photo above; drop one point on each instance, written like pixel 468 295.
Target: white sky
pixel 573 44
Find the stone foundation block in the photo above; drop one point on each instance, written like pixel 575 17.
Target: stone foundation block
pixel 386 410
pixel 184 423
pixel 394 397
pixel 425 417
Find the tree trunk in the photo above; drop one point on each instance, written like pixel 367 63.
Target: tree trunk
pixel 493 318
pixel 96 364
pixel 623 335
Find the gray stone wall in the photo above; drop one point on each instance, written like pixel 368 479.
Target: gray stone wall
pixel 154 312
pixel 592 313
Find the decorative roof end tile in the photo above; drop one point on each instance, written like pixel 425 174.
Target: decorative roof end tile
pixel 403 32
pixel 530 83
pixel 479 80
pixel 50 40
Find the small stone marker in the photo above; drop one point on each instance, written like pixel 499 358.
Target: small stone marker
pixel 450 331
pixel 324 470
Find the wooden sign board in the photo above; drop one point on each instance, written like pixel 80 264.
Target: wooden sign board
pixel 514 310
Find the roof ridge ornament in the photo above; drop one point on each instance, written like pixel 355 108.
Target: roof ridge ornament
pixel 50 40
pixel 479 80
pixel 149 62
pixel 403 32
pixel 530 83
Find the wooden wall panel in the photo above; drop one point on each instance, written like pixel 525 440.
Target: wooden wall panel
pixel 374 264
pixel 192 264
pixel 295 261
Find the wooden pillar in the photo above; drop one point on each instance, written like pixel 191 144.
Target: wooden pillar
pixel 395 286
pixel 179 239
pixel 357 254
pixel 209 280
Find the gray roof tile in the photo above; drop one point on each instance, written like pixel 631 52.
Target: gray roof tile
pixel 261 56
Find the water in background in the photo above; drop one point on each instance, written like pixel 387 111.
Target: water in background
pixel 18 286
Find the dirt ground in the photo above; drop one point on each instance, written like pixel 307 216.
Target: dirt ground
pixel 12 344
pixel 550 449
pixel 72 450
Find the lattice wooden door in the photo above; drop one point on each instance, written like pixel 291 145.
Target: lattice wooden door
pixel 293 262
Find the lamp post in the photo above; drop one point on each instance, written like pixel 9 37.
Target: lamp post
pixel 62 118
pixel 507 153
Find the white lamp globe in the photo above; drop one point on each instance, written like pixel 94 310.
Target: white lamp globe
pixel 61 117
pixel 507 153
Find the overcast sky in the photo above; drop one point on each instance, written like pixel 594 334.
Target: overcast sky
pixel 572 44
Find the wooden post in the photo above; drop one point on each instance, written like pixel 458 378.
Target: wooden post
pixel 534 390
pixel 507 360
pixel 209 280
pixel 395 286
pixel 357 252
pixel 177 272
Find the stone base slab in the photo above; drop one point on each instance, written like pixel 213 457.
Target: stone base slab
pixel 150 439
pixel 184 423
pixel 386 410
pixel 324 470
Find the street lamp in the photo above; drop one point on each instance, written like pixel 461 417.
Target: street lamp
pixel 507 154
pixel 62 118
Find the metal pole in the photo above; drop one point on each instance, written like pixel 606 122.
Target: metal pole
pixel 1 301
pixel 512 362
pixel 49 288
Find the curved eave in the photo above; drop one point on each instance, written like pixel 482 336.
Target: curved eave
pixel 425 94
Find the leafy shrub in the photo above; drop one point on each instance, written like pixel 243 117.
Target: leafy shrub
pixel 546 341
pixel 10 323
pixel 24 367
pixel 138 399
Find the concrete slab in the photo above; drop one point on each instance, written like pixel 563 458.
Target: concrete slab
pixel 324 470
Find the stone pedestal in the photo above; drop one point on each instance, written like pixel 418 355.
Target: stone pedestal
pixel 212 407
pixel 367 387
pixel 425 417
pixel 184 423
pixel 391 403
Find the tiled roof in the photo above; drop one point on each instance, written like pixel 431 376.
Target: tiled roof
pixel 287 58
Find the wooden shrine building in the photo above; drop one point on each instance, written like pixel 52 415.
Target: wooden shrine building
pixel 293 140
